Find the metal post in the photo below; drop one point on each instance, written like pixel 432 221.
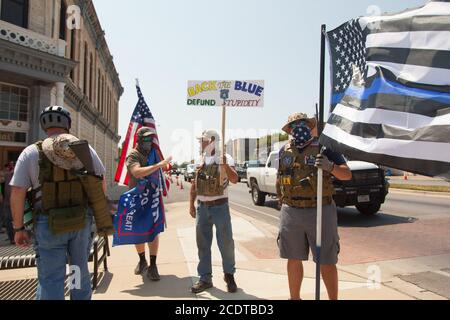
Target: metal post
pixel 224 117
pixel 320 171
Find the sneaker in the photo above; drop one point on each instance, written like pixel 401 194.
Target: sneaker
pixel 201 286
pixel 231 284
pixel 141 267
pixel 153 274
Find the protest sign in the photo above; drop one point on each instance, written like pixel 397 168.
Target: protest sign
pixel 233 94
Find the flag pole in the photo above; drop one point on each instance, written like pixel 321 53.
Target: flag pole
pixel 320 171
pixel 224 116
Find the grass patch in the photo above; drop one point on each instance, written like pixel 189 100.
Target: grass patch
pixel 414 187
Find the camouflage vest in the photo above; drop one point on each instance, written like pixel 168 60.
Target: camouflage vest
pixel 63 199
pixel 208 181
pixel 298 177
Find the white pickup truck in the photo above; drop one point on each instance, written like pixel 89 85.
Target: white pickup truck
pixel 367 190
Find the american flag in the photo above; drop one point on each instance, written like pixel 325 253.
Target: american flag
pixel 391 90
pixel 348 52
pixel 142 117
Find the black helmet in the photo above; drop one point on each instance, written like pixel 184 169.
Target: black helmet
pixel 55 117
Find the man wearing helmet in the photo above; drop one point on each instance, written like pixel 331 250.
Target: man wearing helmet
pixel 210 189
pixel 62 221
pixel 137 164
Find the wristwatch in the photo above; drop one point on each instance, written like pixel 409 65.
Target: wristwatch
pixel 20 229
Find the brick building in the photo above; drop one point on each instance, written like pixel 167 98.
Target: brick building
pixel 53 52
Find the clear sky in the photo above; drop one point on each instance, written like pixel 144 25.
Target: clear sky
pixel 165 43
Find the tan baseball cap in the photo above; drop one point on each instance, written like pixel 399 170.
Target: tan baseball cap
pixel 208 134
pixel 146 132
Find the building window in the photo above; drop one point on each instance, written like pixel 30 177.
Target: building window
pixel 99 91
pixel 9 136
pixel 108 108
pixel 62 21
pixel 72 51
pixel 15 12
pixel 13 103
pixel 91 78
pixel 85 71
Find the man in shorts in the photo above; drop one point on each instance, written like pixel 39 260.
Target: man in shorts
pixel 297 191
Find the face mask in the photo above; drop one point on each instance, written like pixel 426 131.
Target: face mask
pixel 210 149
pixel 302 135
pixel 146 146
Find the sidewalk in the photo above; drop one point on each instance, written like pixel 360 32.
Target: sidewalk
pixel 260 273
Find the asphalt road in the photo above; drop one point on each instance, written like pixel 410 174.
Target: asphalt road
pixel 399 206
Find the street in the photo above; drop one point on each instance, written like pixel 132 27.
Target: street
pixel 407 239
pixel 408 225
pixel 403 217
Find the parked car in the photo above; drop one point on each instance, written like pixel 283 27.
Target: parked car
pixel 367 190
pixel 241 170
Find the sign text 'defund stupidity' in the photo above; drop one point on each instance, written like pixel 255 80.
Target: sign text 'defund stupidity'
pixel 232 94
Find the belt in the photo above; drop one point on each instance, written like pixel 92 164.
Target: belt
pixel 307 203
pixel 215 203
pixel 311 199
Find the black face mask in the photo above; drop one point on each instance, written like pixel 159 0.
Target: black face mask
pixel 145 147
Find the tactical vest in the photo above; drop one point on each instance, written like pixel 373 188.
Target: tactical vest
pixel 63 199
pixel 208 181
pixel 298 178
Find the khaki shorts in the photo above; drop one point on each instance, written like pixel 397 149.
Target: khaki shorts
pixel 298 234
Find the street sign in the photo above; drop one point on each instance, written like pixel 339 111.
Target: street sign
pixel 231 94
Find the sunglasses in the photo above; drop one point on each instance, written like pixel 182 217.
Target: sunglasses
pixel 148 139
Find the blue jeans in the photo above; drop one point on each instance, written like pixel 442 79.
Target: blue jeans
pixel 207 217
pixel 52 255
pixel 9 222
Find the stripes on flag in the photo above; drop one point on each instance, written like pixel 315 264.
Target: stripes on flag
pixel 142 117
pixel 399 116
pixel 122 176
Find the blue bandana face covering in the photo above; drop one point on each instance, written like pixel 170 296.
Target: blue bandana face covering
pixel 302 135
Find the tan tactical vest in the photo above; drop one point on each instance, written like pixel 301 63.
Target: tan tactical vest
pixel 63 198
pixel 208 181
pixel 298 178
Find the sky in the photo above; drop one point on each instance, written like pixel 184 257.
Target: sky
pixel 166 43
